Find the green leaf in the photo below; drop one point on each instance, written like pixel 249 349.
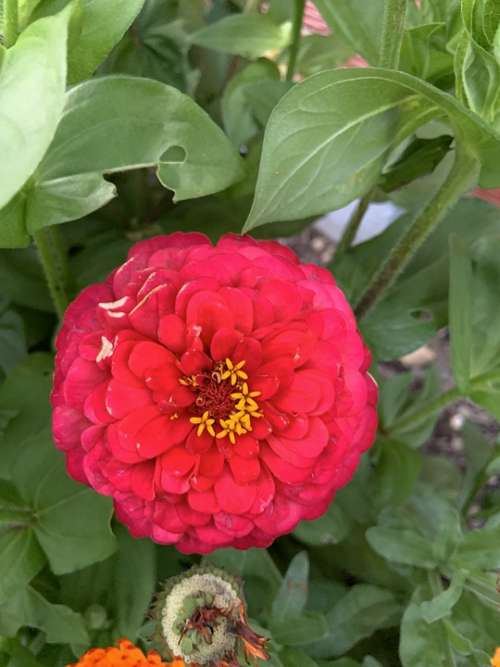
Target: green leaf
pixel 477 628
pixel 460 317
pixel 478 455
pixel 292 595
pixel 396 471
pixel 20 557
pixel 42 480
pixel 331 528
pixel 21 657
pixel 22 280
pixel 102 25
pixel 422 644
pixel 299 630
pixel 327 139
pixel 357 23
pixel 148 123
pixel 296 658
pixel 29 608
pixel 406 536
pixel 157 46
pixel 442 605
pixel 12 338
pixel 132 594
pixel 239 120
pixel 424 52
pixel 25 134
pixel 361 612
pixel 479 550
pixel 25 392
pixel 247 35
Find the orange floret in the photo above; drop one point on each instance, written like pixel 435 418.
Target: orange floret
pixel 495 660
pixel 125 654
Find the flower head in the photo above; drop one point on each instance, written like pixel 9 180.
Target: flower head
pixel 495 660
pixel 219 394
pixel 124 654
pixel 201 617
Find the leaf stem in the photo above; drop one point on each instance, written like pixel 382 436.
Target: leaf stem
pixel 298 16
pixel 458 181
pixel 53 259
pixel 354 223
pixel 432 407
pixel 10 22
pixel 392 33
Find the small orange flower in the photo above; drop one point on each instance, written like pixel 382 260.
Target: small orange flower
pixel 495 660
pixel 125 655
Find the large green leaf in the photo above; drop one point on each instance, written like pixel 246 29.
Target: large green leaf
pixel 101 26
pixel 32 79
pixel 29 608
pixel 248 35
pixel 327 139
pixel 331 528
pixel 362 611
pixel 421 644
pixel 119 123
pixel 292 595
pixel 41 478
pixel 25 394
pixel 12 338
pixel 20 555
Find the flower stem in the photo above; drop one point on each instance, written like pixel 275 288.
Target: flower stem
pixel 458 181
pixel 353 225
pixel 10 22
pixel 392 33
pixel 53 259
pixel 299 6
pixel 429 408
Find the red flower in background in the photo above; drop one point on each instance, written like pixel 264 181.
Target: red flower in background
pixel 218 394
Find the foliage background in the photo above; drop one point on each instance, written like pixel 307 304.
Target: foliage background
pixel 129 118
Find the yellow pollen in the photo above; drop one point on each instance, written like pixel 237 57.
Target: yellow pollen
pixel 239 421
pixel 204 422
pixel 174 416
pixel 234 372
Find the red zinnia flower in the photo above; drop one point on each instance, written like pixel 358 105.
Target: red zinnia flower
pixel 218 394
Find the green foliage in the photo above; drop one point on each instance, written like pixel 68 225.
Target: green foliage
pixel 122 119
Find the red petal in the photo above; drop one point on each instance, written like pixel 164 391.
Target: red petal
pixel 284 471
pixel 122 399
pixel 82 377
pixel 211 463
pixel 172 333
pixel 142 480
pixel 146 356
pixel 241 306
pixel 223 343
pixel 237 526
pixel 244 470
pixel 234 498
pixel 160 434
pixel 178 462
pixel 203 502
pixel 246 446
pixel 192 517
pixel 301 397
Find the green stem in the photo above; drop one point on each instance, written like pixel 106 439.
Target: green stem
pixel 353 225
pixel 458 181
pixel 435 405
pixel 54 263
pixel 392 33
pixel 298 17
pixel 10 22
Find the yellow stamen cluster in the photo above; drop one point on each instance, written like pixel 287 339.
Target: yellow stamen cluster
pixel 239 421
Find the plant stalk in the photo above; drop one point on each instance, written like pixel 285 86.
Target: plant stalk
pixel 353 225
pixel 10 22
pixel 432 407
pixel 53 259
pixel 392 33
pixel 456 184
pixel 298 17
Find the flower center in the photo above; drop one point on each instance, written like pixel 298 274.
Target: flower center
pixel 223 401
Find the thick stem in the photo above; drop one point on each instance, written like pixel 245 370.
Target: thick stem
pixel 10 22
pixel 353 225
pixel 392 33
pixel 458 181
pixel 298 17
pixel 54 263
pixel 435 405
